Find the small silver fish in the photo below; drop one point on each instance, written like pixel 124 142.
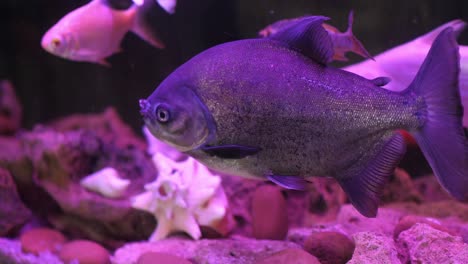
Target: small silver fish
pixel 94 32
pixel 273 109
pixel 342 41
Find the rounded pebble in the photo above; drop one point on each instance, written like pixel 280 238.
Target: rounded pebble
pixel 161 258
pixel 86 252
pixel 288 256
pixel 330 247
pixel 42 239
pixel 408 221
pixel 269 213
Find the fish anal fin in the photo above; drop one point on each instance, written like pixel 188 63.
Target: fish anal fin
pixel 230 151
pixel 364 189
pixel 308 36
pixel 290 182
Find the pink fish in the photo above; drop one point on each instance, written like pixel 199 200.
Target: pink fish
pixel 94 32
pixel 342 41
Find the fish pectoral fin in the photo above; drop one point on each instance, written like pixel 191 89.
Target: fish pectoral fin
pixel 230 151
pixel 290 182
pixel 364 189
pixel 308 36
pixel 339 56
pixel 381 81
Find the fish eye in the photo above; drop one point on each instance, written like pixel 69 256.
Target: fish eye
pixel 56 42
pixel 162 114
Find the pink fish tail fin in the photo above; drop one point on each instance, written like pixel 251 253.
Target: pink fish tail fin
pixel 440 134
pixel 357 46
pixel 142 28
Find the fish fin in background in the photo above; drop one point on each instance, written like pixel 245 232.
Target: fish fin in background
pixel 168 5
pixel 104 62
pixel 457 25
pixel 441 137
pixel 363 190
pixel 307 36
pixel 230 151
pixel 290 182
pixel 356 45
pixel 381 81
pixel 145 31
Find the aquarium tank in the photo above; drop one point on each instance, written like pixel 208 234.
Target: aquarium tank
pixel 233 131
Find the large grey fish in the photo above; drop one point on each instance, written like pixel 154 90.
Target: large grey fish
pixel 272 108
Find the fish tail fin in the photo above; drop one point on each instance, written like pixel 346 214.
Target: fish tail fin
pixel 142 28
pixel 440 134
pixel 357 46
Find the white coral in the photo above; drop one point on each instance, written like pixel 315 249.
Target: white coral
pixel 185 195
pixel 106 182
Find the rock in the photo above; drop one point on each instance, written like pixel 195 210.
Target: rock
pixel 290 255
pixel 107 125
pixel 239 192
pixel 11 253
pixel 408 221
pixel 42 239
pixel 424 244
pixel 400 189
pixel 439 209
pixel 13 213
pixel 300 235
pixel 353 222
pixel 207 251
pixel 430 189
pixel 161 258
pixel 330 247
pixel 269 213
pixel 61 160
pixel 10 109
pixel 374 248
pixel 86 252
pixel 324 199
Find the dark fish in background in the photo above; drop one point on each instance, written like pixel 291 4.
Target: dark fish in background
pixel 342 41
pixel 272 109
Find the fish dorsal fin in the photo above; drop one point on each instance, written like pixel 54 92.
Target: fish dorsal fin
pixel 364 189
pixel 308 36
pixel 290 182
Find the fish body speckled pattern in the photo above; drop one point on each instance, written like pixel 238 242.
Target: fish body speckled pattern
pixel 272 109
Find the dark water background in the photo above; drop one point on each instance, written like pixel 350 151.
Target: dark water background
pixel 50 87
